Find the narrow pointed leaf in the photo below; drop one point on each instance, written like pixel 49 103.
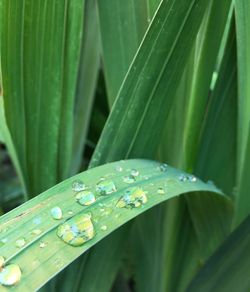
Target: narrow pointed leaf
pixel 45 254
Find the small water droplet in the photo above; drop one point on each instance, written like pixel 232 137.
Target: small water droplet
pixel 161 191
pixel 192 178
pixel 43 244
pixel 104 227
pixel 129 179
pixel 20 242
pixel 56 213
pixel 77 230
pixel 85 198
pixel 78 185
pixel 36 232
pixel 105 187
pixel 2 260
pixel 163 167
pixel 118 168
pixel 37 220
pixel 10 275
pixel 134 172
pixel 70 212
pixel 183 177
pixel 133 198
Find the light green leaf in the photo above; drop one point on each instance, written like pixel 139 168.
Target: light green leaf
pixel 45 254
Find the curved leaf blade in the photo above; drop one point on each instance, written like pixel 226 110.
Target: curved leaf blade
pixel 40 264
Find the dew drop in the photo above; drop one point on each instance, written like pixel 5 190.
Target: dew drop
pixel 77 230
pixel 105 187
pixel 36 232
pixel 56 213
pixel 133 198
pixel 134 172
pixel 118 168
pixel 70 212
pixel 78 185
pixel 161 191
pixel 163 167
pixel 129 179
pixel 192 178
pixel 85 198
pixel 104 227
pixel 43 244
pixel 183 177
pixel 10 275
pixel 20 242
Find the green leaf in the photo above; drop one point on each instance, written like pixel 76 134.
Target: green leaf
pixel 228 268
pixel 122 29
pixel 243 45
pixel 87 79
pixel 40 52
pixel 148 90
pixel 45 254
pixel 206 52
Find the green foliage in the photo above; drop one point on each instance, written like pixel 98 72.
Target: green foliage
pixel 85 83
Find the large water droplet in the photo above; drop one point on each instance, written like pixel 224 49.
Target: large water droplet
pixel 129 179
pixel 78 185
pixel 133 198
pixel 56 213
pixel 20 242
pixel 85 198
pixel 77 230
pixel 105 187
pixel 10 275
pixel 134 172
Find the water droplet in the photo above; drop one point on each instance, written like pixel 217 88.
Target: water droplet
pixel 192 178
pixel 43 244
pixel 20 242
pixel 56 213
pixel 105 187
pixel 183 177
pixel 129 179
pixel 37 220
pixel 134 172
pixel 4 240
pixel 133 198
pixel 70 212
pixel 77 230
pixel 161 191
pixel 163 167
pixel 118 168
pixel 10 275
pixel 36 232
pixel 104 227
pixel 78 185
pixel 2 260
pixel 85 198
